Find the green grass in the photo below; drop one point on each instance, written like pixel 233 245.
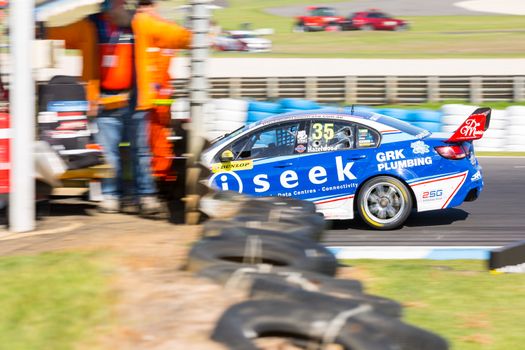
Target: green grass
pixel 429 37
pixel 460 300
pixel 51 301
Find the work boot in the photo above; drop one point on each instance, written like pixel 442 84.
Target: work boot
pixel 130 206
pixel 109 206
pixel 149 205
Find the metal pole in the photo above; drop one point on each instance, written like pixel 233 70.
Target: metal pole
pixel 200 25
pixel 22 107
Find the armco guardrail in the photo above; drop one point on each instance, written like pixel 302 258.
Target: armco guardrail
pixel 368 90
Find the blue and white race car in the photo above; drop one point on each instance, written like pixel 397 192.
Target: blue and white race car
pixel 368 163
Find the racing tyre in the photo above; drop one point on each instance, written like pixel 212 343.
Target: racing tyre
pixel 252 251
pixel 366 28
pixel 384 203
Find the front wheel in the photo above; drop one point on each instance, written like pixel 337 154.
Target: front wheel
pixel 384 203
pixel 299 27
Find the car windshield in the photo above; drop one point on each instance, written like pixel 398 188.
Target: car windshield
pixel 323 11
pixel 243 36
pixel 222 139
pixel 401 125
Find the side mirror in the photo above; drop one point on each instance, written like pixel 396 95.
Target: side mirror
pixel 226 156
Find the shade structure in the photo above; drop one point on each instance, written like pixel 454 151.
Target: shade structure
pixel 64 11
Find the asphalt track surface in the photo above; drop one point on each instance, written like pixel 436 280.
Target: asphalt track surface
pixel 393 7
pixel 496 218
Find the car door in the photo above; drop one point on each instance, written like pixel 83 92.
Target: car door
pixel 265 162
pixel 341 151
pixel 374 20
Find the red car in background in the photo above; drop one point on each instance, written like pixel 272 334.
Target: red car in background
pixel 376 20
pixel 319 18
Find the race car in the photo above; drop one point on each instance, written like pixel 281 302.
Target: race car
pixel 348 163
pixel 319 18
pixel 242 40
pixel 376 20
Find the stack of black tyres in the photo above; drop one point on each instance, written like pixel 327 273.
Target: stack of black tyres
pixel 270 249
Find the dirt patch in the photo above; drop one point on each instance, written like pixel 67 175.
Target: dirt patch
pixel 158 305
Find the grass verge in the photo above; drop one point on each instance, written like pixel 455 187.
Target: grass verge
pixel 460 300
pixel 52 301
pixel 429 36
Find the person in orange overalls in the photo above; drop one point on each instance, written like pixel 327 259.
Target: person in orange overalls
pixel 121 65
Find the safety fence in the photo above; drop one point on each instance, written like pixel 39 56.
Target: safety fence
pixel 507 126
pixel 368 90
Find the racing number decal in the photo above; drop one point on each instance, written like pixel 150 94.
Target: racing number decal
pixel 325 131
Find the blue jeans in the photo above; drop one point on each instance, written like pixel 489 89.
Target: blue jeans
pixel 115 126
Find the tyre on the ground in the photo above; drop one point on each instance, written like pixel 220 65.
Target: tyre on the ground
pixel 280 202
pixel 244 278
pixel 315 224
pixel 360 327
pixel 257 250
pixel 267 287
pixel 384 202
pixel 230 229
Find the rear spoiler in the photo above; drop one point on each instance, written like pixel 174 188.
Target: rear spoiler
pixel 474 127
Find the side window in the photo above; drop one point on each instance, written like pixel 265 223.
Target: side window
pixel 366 137
pixel 271 142
pixel 327 135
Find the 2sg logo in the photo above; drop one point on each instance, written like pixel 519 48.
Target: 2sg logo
pixel 433 194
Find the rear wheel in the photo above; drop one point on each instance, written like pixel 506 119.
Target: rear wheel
pixel 367 27
pixel 384 203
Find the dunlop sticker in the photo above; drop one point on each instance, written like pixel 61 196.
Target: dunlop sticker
pixel 232 166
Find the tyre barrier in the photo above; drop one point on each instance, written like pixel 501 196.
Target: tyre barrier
pixel 259 249
pixel 244 277
pixel 230 229
pixel 227 114
pixel 314 223
pixel 422 115
pixel 255 116
pixel 265 107
pixel 280 202
pixel 354 327
pixel 272 288
pixel 297 104
pixel 268 249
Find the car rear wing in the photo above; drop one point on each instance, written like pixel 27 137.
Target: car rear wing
pixel 474 127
